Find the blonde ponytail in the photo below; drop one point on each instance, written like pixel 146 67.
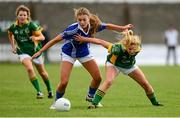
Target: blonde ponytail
pixel 130 38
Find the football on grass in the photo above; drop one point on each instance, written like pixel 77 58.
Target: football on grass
pixel 62 104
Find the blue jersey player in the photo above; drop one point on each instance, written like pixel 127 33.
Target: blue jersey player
pixel 87 25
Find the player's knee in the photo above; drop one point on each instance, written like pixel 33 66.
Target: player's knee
pixel 64 82
pixel 98 79
pixel 109 83
pixel 30 70
pixel 43 74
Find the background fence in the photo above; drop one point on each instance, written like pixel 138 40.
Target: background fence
pixel 150 18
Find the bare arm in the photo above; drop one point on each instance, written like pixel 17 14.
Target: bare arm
pixel 11 40
pixel 48 45
pixel 118 27
pixel 103 43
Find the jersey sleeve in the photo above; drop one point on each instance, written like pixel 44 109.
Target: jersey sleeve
pixel 35 27
pixel 116 49
pixel 68 32
pixel 10 29
pixel 102 27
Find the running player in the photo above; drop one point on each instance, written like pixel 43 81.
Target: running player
pixel 27 35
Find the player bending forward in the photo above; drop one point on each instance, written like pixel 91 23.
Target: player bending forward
pixel 121 58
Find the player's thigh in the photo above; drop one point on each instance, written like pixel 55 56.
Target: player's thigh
pixel 66 68
pixel 40 68
pixel 27 63
pixel 111 72
pixel 138 76
pixel 92 67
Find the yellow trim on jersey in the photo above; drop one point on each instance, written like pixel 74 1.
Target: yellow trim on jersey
pixel 17 23
pixel 109 48
pixel 113 59
pixel 36 43
pixel 37 33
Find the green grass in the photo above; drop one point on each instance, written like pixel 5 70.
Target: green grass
pixel 124 98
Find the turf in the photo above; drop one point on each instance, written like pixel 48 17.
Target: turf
pixel 124 99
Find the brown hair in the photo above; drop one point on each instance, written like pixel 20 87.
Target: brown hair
pixel 23 8
pixel 94 19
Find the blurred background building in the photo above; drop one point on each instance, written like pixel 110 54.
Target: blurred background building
pixel 150 17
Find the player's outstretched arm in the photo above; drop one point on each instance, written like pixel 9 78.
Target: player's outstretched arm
pixel 118 27
pixel 104 43
pixel 48 45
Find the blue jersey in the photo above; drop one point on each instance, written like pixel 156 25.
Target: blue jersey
pixel 75 48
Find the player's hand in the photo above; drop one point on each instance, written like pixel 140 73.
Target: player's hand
pixel 79 38
pixel 33 38
pixel 128 26
pixel 36 55
pixel 14 50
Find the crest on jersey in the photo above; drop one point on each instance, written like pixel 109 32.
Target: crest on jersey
pixel 27 31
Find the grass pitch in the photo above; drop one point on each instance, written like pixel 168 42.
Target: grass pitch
pixel 124 99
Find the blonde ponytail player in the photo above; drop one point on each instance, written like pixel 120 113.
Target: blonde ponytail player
pixel 121 58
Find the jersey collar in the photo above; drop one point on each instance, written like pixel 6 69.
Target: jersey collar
pixel 17 23
pixel 79 26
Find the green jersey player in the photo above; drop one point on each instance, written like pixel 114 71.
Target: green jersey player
pixel 121 58
pixel 25 36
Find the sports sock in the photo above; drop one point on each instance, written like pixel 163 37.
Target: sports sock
pixel 153 99
pixel 98 96
pixel 35 83
pixel 59 95
pixel 48 85
pixel 92 91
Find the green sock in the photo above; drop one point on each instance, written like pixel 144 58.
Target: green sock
pixel 35 83
pixel 48 85
pixel 153 99
pixel 98 96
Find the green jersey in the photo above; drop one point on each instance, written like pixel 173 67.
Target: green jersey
pixel 120 57
pixel 22 34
